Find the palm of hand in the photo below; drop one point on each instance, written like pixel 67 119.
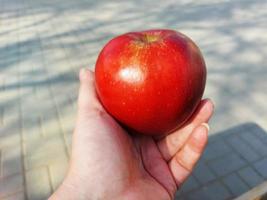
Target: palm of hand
pixel 125 163
pixel 112 162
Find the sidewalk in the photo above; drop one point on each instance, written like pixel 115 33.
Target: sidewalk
pixel 43 44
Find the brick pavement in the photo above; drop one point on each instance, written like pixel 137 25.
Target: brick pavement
pixel 43 44
pixel 231 171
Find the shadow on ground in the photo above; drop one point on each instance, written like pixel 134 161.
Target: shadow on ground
pixel 234 161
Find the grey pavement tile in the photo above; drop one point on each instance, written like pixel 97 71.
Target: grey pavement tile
pixel 261 167
pixel 250 176
pixel 66 120
pixel 264 140
pixel 255 143
pixel 2 85
pixel 28 104
pixel 32 133
pixel 38 184
pixel 260 133
pixel 40 152
pixel 212 191
pixel 235 130
pixel 2 116
pixel 202 173
pixel 227 164
pixel 242 148
pixel 13 138
pixel 235 184
pixel 13 121
pixel 256 129
pixel 11 160
pixel 250 126
pixel 216 149
pixel 58 171
pixel 0 162
pixel 177 195
pixel 50 125
pixel 190 184
pixel 10 185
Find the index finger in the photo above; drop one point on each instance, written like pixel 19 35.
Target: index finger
pixel 171 143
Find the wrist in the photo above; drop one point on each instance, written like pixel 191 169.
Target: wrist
pixel 74 187
pixel 70 190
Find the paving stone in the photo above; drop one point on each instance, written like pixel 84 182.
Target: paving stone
pixel 177 195
pixel 31 128
pixel 258 131
pixel 11 161
pixel 250 126
pixel 243 149
pixel 190 184
pixel 235 184
pixel 51 125
pixel 9 100
pixel 46 106
pixel 57 172
pixel 38 184
pixel 8 138
pixel 1 163
pixel 227 164
pixel 40 152
pixel 203 173
pixel 1 116
pixel 216 149
pixel 251 177
pixel 67 119
pixel 212 191
pixel 11 185
pixel 12 127
pixel 261 167
pixel 255 143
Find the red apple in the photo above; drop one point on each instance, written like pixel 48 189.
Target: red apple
pixel 151 81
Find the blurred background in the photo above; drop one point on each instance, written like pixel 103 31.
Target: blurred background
pixel 43 44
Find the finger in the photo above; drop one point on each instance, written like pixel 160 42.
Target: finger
pixel 170 144
pixel 87 100
pixel 182 164
pixel 154 164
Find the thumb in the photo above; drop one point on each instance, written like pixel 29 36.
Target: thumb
pixel 88 102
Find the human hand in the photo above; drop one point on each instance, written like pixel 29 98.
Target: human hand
pixel 107 162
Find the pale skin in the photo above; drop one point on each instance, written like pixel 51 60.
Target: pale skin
pixel 107 162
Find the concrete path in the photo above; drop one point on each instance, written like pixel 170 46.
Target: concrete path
pixel 43 44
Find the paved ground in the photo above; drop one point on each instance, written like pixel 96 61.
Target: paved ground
pixel 43 44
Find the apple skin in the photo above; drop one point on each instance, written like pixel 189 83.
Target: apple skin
pixel 151 81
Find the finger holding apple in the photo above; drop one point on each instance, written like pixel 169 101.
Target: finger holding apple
pixel 151 81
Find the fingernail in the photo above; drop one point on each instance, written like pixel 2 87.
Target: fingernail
pixel 206 126
pixel 83 73
pixel 201 132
